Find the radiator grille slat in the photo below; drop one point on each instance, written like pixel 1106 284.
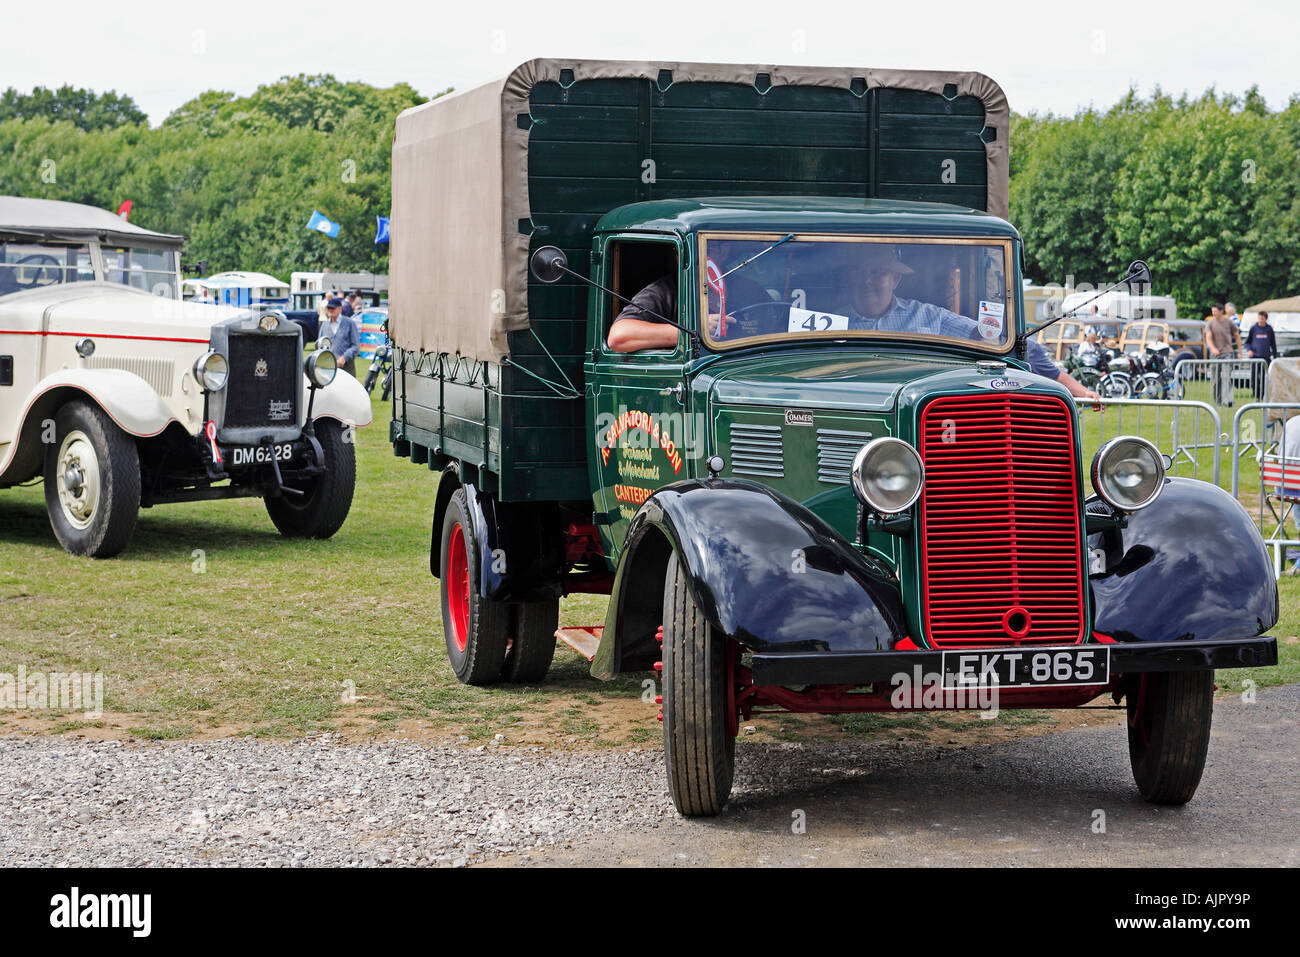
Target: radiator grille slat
pixel 836 449
pixel 159 373
pixel 1000 523
pixel 757 450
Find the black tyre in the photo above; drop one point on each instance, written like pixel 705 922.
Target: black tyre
pixel 698 702
pixel 476 630
pixel 323 508
pixel 386 390
pixel 1169 733
pixel 92 482
pixel 1116 385
pixel 372 374
pixel 532 641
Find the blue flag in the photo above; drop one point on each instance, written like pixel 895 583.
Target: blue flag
pixel 381 234
pixel 320 224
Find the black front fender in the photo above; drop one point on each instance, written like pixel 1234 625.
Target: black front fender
pixel 763 569
pixel 1190 566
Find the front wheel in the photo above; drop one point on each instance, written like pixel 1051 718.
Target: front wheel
pixel 323 506
pixel 1116 385
pixel 92 482
pixel 699 703
pixel 1169 733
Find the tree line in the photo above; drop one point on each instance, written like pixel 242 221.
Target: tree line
pixel 238 176
pixel 1203 188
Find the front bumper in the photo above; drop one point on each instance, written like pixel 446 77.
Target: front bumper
pixel 867 667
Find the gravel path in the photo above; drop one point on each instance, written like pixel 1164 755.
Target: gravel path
pixel 319 803
pixel 310 803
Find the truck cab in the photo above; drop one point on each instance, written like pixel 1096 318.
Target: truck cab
pixel 796 381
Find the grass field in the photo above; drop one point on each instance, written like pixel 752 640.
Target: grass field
pixel 211 624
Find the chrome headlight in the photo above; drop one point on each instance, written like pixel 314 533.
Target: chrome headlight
pixel 211 370
pixel 322 367
pixel 887 475
pixel 1128 473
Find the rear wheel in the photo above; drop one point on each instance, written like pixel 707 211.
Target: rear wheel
pixel 1169 733
pixel 476 629
pixel 699 703
pixel 323 507
pixel 92 482
pixel 532 641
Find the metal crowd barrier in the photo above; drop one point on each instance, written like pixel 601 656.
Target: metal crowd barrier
pixel 1180 428
pixel 1279 476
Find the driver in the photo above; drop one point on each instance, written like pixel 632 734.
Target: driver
pixel 871 279
pixel 637 327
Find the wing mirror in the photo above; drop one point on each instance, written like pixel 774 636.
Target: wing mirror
pixel 549 263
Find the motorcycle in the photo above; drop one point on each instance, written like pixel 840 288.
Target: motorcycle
pixel 1121 370
pixel 1157 379
pixel 381 363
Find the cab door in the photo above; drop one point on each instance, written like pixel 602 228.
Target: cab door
pixel 638 413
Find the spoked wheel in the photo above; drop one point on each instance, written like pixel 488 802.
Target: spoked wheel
pixel 1116 386
pixel 1169 733
pixel 476 630
pixel 699 703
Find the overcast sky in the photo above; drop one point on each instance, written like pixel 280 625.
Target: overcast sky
pixel 1045 57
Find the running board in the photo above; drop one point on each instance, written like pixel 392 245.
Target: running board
pixel 584 641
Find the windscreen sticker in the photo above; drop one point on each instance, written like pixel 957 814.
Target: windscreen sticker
pixel 805 320
pixel 991 318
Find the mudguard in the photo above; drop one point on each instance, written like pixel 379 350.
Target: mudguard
pixel 129 401
pixel 763 569
pixel 344 399
pixel 1191 566
pixel 520 547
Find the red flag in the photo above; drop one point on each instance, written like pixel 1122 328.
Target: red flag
pixel 125 210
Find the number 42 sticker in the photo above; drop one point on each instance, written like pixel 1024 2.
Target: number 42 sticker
pixel 805 320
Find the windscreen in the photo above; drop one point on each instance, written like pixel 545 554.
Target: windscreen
pixel 27 265
pixel 794 286
pixel 150 270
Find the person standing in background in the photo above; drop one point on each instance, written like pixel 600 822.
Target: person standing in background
pixel 1260 343
pixel 1222 341
pixel 344 339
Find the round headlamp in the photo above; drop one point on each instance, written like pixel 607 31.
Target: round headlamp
pixel 887 475
pixel 1128 473
pixel 212 370
pixel 322 367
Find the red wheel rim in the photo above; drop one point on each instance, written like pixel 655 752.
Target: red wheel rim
pixel 458 587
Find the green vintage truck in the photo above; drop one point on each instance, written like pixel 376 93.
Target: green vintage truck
pixel 831 484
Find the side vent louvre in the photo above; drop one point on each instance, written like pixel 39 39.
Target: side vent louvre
pixel 835 451
pixel 159 373
pixel 756 450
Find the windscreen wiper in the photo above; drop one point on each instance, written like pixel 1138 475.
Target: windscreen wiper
pixel 761 252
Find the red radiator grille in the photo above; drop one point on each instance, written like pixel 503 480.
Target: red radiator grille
pixel 1000 544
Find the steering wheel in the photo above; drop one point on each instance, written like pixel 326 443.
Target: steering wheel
pixel 768 304
pixel 44 263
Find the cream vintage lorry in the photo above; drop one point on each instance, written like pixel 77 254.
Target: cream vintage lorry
pixel 118 395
